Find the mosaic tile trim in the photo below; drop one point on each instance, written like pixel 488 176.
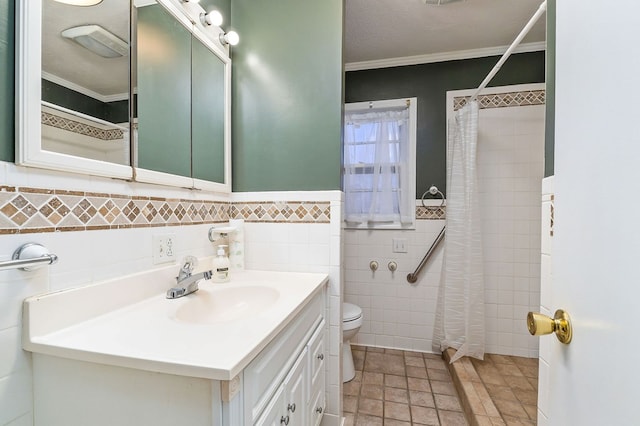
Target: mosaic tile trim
pixel 289 211
pixel 551 216
pixel 504 100
pixel 31 210
pixel 430 212
pixel 80 128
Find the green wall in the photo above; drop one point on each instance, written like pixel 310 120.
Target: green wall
pixel 7 115
pixel 430 83
pixel 287 95
pixel 550 112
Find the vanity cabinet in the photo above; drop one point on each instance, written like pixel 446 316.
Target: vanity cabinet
pixel 280 381
pixel 300 398
pixel 88 374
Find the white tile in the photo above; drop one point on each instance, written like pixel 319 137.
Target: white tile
pixel 12 357
pixel 16 394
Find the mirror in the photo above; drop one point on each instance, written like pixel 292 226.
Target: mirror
pixel 189 138
pixel 74 100
pixel 85 84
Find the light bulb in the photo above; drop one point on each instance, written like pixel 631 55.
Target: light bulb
pixel 212 18
pixel 231 38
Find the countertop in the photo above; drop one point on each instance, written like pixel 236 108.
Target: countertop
pixel 128 322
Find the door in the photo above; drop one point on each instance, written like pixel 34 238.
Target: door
pixel 596 239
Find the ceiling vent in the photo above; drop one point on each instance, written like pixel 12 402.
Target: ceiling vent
pixel 98 40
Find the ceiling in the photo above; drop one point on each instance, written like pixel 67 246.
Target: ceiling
pixel 377 33
pixel 378 30
pixel 107 78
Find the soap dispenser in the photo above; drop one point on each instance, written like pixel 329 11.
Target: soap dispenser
pixel 220 266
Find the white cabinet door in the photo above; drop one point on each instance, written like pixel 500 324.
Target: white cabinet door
pixel 288 407
pixel 273 414
pixel 296 388
pixel 317 376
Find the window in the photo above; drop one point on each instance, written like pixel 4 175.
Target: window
pixel 379 164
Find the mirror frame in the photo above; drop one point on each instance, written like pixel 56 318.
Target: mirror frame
pixel 29 150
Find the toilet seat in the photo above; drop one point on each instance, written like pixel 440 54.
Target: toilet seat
pixel 350 312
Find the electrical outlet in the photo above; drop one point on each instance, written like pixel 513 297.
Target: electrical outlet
pixel 399 245
pixel 164 248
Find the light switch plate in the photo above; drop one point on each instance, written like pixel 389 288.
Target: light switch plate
pixel 399 245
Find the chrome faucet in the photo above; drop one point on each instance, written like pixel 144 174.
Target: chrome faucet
pixel 186 282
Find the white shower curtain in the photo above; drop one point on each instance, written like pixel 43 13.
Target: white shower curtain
pixel 460 318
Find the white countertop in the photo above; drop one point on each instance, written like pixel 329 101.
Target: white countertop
pixel 129 323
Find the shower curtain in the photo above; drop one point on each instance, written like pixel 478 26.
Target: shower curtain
pixel 460 318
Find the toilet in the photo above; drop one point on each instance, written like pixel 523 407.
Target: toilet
pixel 351 322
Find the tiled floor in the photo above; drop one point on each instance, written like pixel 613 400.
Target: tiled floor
pixel 395 388
pixel 512 383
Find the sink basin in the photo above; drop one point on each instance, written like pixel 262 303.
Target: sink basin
pixel 226 304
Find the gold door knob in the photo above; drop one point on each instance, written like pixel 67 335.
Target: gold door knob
pixel 540 324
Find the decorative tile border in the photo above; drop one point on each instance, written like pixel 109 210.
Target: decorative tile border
pixel 430 212
pixel 80 128
pixel 31 210
pixel 504 100
pixel 289 211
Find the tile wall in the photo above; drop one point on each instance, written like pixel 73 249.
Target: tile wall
pixel 89 252
pixel 396 314
pixel 510 171
pixel 510 168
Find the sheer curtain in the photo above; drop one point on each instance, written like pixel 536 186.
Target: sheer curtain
pixel 376 155
pixel 460 318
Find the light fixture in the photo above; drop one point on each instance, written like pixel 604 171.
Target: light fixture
pixel 98 40
pixel 438 2
pixel 211 18
pixel 80 2
pixel 230 37
pixel 190 1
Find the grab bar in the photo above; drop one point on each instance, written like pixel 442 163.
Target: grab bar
pixel 29 257
pixel 413 277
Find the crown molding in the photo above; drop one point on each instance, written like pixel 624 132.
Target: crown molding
pixel 442 57
pixel 81 89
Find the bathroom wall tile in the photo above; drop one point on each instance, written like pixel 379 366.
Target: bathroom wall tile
pixel 88 256
pixel 17 396
pixel 12 357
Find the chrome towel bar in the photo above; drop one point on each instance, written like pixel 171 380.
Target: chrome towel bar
pixel 29 257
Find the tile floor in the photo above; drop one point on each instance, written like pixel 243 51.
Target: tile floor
pixel 512 383
pixel 394 388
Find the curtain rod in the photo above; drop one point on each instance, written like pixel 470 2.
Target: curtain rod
pixel 516 42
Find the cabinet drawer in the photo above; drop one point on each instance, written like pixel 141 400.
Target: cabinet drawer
pixel 265 373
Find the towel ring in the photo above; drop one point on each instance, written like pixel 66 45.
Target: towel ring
pixel 433 190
